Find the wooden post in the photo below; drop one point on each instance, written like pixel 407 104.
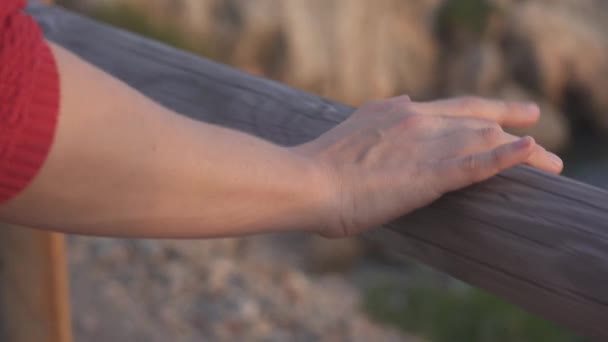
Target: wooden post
pixel 34 297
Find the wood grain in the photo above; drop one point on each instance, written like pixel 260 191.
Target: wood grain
pixel 538 240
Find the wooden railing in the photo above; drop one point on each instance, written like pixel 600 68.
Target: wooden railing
pixel 537 240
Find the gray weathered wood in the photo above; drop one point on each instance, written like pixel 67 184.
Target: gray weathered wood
pixel 538 240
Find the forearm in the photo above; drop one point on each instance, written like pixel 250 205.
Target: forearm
pixel 122 165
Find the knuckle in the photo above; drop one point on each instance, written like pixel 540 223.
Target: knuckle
pixel 468 103
pixel 473 168
pixel 402 100
pixel 376 106
pixel 495 163
pixel 491 134
pixel 495 158
pixel 469 164
pixel 370 104
pixel 414 121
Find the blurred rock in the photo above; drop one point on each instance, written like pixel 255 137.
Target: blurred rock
pixel 472 59
pixel 478 69
pixel 492 57
pixel 560 49
pixel 358 50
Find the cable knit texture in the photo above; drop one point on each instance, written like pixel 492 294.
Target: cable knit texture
pixel 29 98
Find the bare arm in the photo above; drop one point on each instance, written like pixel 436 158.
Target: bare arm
pixel 122 165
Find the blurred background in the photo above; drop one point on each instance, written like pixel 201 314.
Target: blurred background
pixel 304 288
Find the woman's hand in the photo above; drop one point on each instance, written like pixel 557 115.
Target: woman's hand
pixel 394 156
pixel 113 169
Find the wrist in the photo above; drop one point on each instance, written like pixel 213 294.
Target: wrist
pixel 320 188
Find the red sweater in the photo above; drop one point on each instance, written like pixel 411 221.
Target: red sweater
pixel 29 98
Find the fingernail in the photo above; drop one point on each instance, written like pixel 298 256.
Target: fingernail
pixel 532 108
pixel 523 143
pixel 556 160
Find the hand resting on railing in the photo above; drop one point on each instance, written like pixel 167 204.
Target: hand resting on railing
pixel 122 165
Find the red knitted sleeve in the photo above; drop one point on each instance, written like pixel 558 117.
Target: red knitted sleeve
pixel 29 98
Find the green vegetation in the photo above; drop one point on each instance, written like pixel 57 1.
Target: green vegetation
pixel 467 16
pixel 463 314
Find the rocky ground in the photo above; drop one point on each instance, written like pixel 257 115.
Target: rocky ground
pixel 269 288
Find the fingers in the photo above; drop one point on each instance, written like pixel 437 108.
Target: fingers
pixel 513 114
pixel 471 140
pixel 545 160
pixel 454 174
pixel 478 138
